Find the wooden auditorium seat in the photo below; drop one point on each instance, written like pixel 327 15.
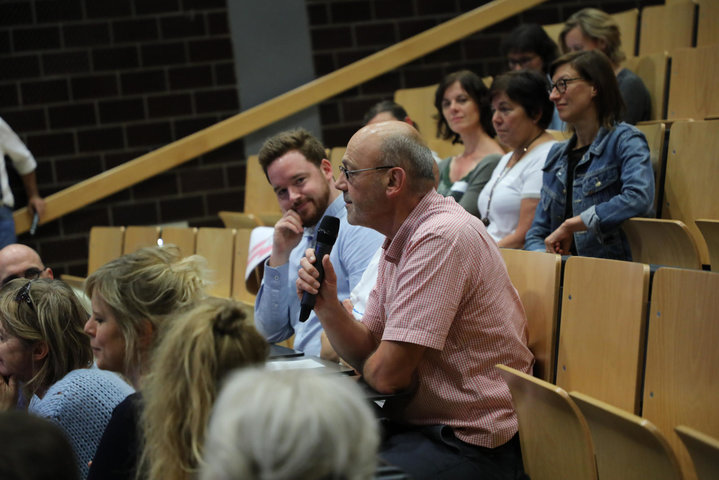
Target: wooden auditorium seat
pixel 554 436
pixel 665 27
pixel 655 134
pixel 626 446
pixel 627 21
pixel 184 238
pixel 703 450
pixel 602 329
pixel 139 236
pixel 336 155
pixel 238 219
pixel 106 243
pixel 241 251
pixel 690 189
pixel 259 195
pixel 710 232
pixel 693 90
pixel 536 277
pixel 681 385
pixel 708 25
pixel 661 241
pixel 217 246
pixel 652 69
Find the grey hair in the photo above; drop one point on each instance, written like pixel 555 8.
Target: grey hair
pixel 285 424
pixel 411 154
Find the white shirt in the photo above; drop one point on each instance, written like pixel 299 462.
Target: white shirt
pixel 22 159
pixel 507 188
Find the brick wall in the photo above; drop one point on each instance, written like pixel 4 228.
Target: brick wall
pixel 89 84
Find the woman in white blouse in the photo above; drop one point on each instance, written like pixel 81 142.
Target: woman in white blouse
pixel 521 113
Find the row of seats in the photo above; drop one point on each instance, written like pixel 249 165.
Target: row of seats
pixel 602 342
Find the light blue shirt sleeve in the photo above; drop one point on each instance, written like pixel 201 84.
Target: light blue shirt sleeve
pixel 277 307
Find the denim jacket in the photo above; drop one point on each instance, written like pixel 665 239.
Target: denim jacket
pixel 613 181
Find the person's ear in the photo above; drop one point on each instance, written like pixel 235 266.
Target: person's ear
pixel 146 334
pixel 40 350
pixel 47 273
pixel 326 168
pixel 396 181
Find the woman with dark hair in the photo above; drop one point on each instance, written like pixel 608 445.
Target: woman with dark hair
pixel 463 115
pixel 522 112
pixel 590 29
pixel 598 178
pixel 529 47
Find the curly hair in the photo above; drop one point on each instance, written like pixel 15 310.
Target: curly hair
pixel 195 353
pixel 47 311
pixel 147 286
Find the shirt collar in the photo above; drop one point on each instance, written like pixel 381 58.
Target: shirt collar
pixel 393 247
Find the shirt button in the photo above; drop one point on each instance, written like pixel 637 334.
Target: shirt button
pixel 277 277
pixel 598 184
pixel 564 191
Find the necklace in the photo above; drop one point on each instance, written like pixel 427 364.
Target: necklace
pixel 507 168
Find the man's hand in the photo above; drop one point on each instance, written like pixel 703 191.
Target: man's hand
pixel 37 205
pixel 288 234
pixel 307 279
pixel 9 393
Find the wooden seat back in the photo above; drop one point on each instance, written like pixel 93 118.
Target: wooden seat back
pixel 692 84
pixel 665 27
pixel 662 242
pixel 553 434
pixel 627 446
pixel 238 219
pixel 704 451
pixel 655 134
pixel 259 195
pixel 105 245
pixel 184 238
pixel 710 232
pixel 602 329
pixel 139 236
pixel 652 69
pixel 217 246
pixel 681 385
pixel 536 277
pixel 708 24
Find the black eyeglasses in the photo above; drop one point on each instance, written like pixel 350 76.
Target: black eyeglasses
pixel 561 84
pixel 23 295
pixel 350 173
pixel 31 273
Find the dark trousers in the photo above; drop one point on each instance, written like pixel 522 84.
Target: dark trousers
pixel 434 452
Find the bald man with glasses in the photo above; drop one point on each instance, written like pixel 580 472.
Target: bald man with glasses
pixel 21 261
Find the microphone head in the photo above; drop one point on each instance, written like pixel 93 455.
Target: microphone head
pixel 328 229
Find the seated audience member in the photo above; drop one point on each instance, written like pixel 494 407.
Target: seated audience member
pixel 598 178
pixel 529 47
pixel 463 115
pixel 442 315
pixel 32 448
pixel 290 424
pixel 295 164
pixel 591 29
pixel 196 352
pixel 17 260
pixel 132 297
pixel 522 111
pixel 44 350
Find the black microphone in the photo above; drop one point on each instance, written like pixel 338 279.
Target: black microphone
pixel 326 236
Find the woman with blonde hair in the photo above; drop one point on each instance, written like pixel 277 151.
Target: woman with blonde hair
pixel 132 297
pixel 44 349
pixel 593 29
pixel 464 115
pixel 196 352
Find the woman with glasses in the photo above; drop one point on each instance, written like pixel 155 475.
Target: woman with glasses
pixel 522 112
pixel 592 29
pixel 463 115
pixel 132 298
pixel 44 352
pixel 528 47
pixel 598 178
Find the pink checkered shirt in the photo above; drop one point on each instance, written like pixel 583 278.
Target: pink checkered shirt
pixel 442 284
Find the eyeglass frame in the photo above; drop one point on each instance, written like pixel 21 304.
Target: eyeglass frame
pixel 349 173
pixel 32 273
pixel 23 295
pixel 561 81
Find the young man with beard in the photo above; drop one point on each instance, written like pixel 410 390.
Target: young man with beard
pixel 301 176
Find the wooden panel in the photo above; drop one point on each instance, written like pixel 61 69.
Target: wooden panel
pixel 692 84
pixel 217 246
pixel 627 446
pixel 681 385
pixel 238 219
pixel 662 242
pixel 710 232
pixel 554 436
pixel 690 190
pixel 137 237
pixel 708 27
pixel 536 276
pixel 105 245
pixel 279 107
pixel 259 195
pixel 665 27
pixel 652 69
pixel 704 451
pixel 655 134
pixel 242 247
pixel 602 329
pixel 184 238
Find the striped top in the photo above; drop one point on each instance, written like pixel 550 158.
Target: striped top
pixel 442 284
